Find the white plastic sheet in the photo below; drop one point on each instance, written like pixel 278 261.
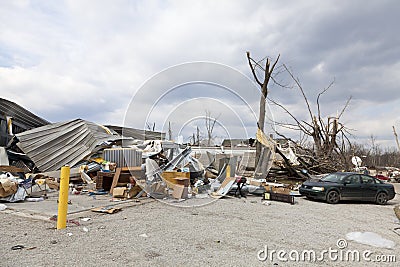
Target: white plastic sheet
pixel 369 238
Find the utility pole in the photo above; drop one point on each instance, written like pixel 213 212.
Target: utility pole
pixel 169 131
pixel 198 136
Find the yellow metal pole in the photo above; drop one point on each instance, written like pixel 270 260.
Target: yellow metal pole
pixel 63 198
pixel 228 171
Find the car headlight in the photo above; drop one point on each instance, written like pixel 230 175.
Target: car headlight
pixel 318 188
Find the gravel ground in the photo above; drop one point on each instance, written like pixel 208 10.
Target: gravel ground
pixel 227 232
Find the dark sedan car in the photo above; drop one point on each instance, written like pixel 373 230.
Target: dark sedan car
pixel 348 186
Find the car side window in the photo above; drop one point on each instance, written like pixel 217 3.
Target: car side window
pixel 352 179
pixel 367 180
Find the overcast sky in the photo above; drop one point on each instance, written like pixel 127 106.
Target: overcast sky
pixel 97 60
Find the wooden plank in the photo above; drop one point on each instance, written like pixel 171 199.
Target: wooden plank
pixel 279 197
pixel 11 169
pixel 131 168
pixel 180 191
pixel 115 180
pixel 224 188
pixel 74 172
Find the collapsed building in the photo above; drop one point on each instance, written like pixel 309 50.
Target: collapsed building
pixel 128 162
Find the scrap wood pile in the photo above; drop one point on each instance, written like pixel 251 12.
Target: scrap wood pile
pixel 283 159
pixel 300 163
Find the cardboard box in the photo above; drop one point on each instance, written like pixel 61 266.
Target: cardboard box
pixel 134 191
pixel 282 190
pixel 157 187
pixel 169 177
pixel 52 184
pixel 182 181
pixel 256 182
pixel 123 192
pixel 7 188
pixel 268 188
pixel 119 192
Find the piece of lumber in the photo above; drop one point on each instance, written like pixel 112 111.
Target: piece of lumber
pixel 115 179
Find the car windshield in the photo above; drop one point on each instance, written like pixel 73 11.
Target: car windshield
pixel 334 177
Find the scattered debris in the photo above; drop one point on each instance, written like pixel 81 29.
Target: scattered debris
pixel 17 247
pixel 278 193
pixel 108 210
pixel 54 218
pixel 266 203
pixel 396 231
pixel 34 199
pixel 152 255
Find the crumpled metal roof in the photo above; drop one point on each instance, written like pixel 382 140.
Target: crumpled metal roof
pixel 64 143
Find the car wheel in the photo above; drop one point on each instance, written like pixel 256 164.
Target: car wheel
pixel 381 198
pixel 332 197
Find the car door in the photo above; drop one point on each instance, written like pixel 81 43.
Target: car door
pixel 369 187
pixel 351 188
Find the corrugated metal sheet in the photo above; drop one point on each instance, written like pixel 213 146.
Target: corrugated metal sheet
pixel 65 143
pixel 137 133
pixel 20 115
pixel 124 157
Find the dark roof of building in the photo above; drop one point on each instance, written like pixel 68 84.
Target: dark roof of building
pixel 137 133
pixel 20 115
pixel 235 142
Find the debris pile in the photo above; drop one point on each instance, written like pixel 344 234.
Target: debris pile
pixel 129 163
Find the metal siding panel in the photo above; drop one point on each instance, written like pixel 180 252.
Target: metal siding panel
pixel 123 157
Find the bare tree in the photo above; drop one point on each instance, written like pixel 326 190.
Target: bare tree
pixel 151 128
pixel 329 135
pixel 210 123
pixel 396 137
pixel 375 151
pixel 390 156
pixel 194 139
pixel 263 83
